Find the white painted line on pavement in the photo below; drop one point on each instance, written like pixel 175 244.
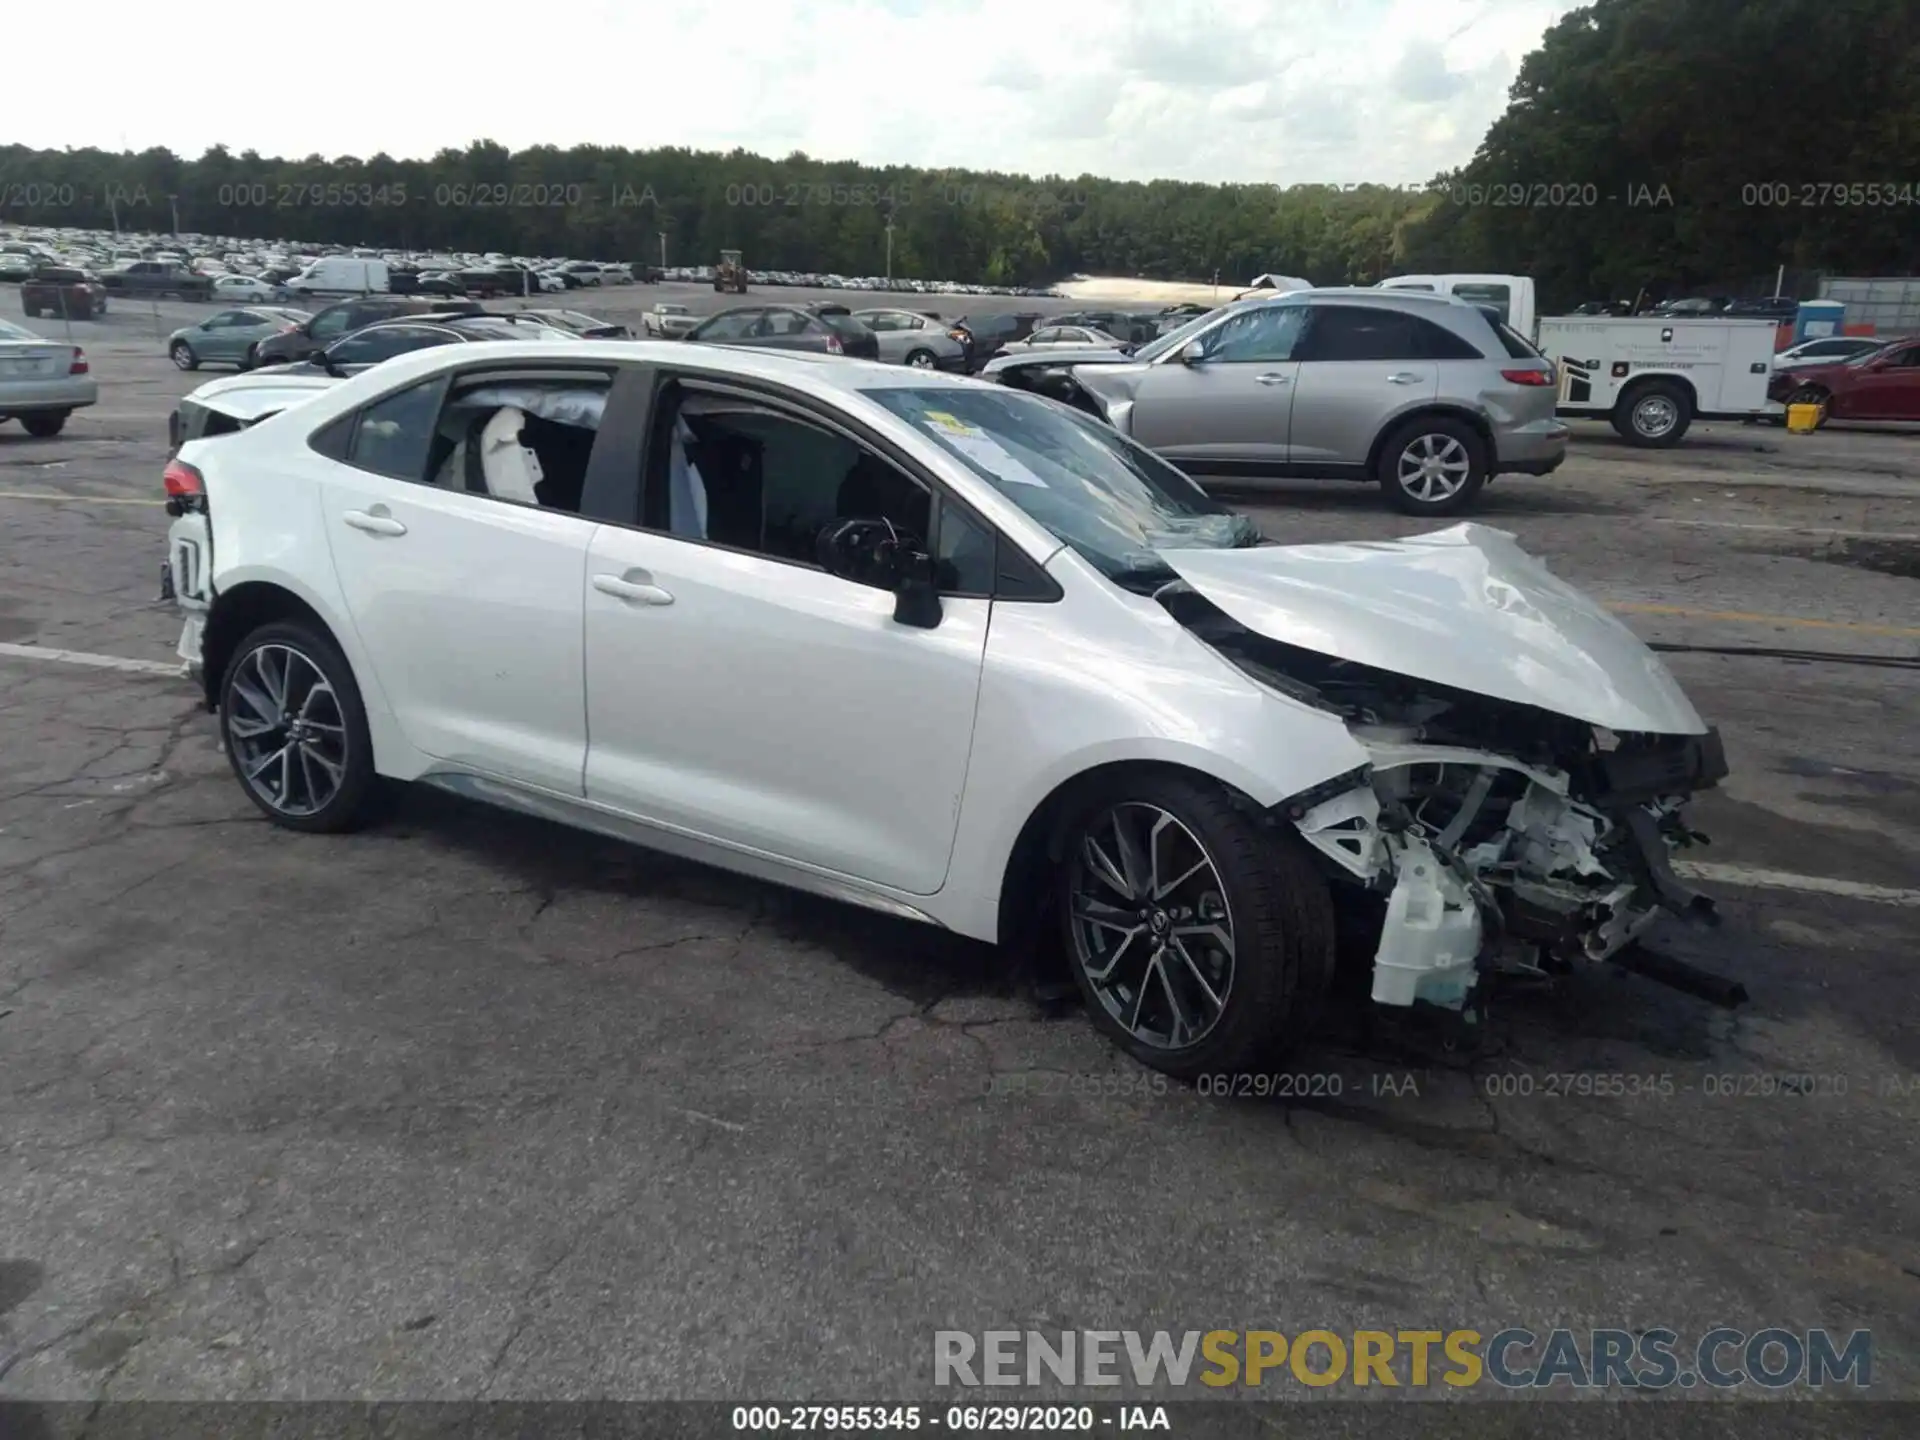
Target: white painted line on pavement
pixel 1789 529
pixel 1786 880
pixel 175 670
pixel 75 499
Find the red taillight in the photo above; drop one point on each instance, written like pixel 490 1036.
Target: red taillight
pixel 183 482
pixel 79 365
pixel 834 347
pixel 1528 377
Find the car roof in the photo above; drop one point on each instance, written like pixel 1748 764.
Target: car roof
pixel 752 362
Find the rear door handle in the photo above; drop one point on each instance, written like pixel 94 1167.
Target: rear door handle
pixel 644 591
pixel 1405 377
pixel 1272 378
pixel 374 524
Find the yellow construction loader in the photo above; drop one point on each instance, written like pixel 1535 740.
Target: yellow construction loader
pixel 730 275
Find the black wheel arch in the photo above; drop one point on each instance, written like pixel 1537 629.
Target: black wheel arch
pixel 236 614
pixel 1026 883
pixel 1641 383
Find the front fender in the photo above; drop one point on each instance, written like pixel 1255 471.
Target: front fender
pixel 1104 677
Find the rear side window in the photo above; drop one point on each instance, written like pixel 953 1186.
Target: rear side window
pixel 1517 345
pixel 394 434
pixel 844 325
pixel 1352 332
pixel 1436 342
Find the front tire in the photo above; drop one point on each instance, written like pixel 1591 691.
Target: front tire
pixel 1201 942
pixel 45 424
pixel 295 730
pixel 182 355
pixel 1654 415
pixel 1433 466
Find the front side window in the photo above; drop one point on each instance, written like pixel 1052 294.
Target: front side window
pixel 1264 335
pixel 732 471
pixel 1109 498
pixel 329 323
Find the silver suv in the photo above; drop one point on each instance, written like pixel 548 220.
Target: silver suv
pixel 1428 395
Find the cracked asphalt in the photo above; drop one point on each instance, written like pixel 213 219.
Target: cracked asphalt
pixel 471 1106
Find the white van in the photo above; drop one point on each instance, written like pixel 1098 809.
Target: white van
pixel 1510 295
pixel 341 275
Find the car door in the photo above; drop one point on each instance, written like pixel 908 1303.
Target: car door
pixel 468 607
pixel 214 336
pixel 741 694
pixel 1885 389
pixel 732 327
pixel 888 333
pixel 1235 403
pixel 1359 364
pixel 780 329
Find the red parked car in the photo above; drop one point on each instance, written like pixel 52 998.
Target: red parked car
pixel 1882 384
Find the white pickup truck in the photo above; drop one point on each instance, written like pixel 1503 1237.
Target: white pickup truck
pixel 1653 376
pixel 668 321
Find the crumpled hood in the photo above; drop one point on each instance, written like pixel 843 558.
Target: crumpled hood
pixel 1059 357
pixel 1464 607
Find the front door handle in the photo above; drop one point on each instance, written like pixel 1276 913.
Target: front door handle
pixel 1272 378
pixel 644 591
pixel 1405 377
pixel 374 522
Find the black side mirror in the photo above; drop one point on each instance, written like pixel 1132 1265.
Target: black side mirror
pixel 879 553
pixel 324 361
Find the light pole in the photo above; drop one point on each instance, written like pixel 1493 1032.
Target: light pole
pixel 663 249
pixel 173 202
pixel 889 252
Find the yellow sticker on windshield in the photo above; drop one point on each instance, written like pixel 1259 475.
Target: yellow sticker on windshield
pixel 952 424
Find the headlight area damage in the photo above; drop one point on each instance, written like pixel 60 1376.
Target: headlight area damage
pixel 1487 835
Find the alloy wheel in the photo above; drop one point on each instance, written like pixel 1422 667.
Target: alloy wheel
pixel 1152 931
pixel 1655 415
pixel 287 732
pixel 920 360
pixel 1434 467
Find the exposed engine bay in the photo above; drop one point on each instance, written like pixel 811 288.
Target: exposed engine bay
pixel 1502 838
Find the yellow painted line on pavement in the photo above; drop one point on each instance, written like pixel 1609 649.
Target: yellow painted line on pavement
pixel 75 499
pixel 1743 617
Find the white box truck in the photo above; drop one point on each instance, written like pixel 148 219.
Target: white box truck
pixel 1653 376
pixel 341 275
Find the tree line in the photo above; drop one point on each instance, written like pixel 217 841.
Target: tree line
pixel 1645 145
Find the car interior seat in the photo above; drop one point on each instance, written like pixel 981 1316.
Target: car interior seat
pixel 508 469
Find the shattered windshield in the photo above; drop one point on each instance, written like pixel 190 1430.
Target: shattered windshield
pixel 1113 501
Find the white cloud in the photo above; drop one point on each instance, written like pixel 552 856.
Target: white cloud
pixel 1211 90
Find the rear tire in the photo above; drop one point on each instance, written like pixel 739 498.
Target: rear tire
pixel 182 355
pixel 1432 466
pixel 1653 414
pixel 920 359
pixel 1246 1001
pixel 45 424
pixel 300 748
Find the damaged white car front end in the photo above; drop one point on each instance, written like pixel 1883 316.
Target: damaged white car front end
pixel 1529 758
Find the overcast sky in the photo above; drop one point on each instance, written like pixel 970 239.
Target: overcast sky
pixel 1284 91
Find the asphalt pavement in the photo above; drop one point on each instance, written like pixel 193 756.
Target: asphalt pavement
pixel 473 1106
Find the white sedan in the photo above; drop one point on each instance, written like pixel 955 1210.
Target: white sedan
pixel 950 651
pixel 239 289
